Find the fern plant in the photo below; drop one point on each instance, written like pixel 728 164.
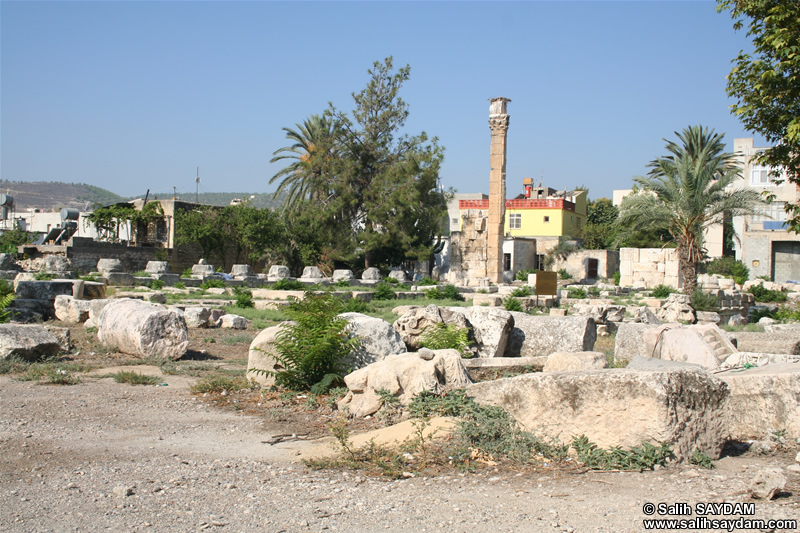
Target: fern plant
pixel 446 336
pixel 5 307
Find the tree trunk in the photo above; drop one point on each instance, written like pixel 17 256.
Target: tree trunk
pixel 689 274
pixel 367 259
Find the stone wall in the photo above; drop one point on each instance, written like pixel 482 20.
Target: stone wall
pixel 468 249
pixel 648 267
pixel 577 263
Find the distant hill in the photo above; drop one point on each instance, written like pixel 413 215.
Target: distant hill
pixel 54 195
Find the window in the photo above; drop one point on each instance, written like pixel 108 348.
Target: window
pixel 454 221
pixel 515 221
pixel 547 219
pixel 760 175
pixel 506 261
pixel 769 212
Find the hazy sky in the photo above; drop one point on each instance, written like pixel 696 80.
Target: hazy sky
pixel 133 95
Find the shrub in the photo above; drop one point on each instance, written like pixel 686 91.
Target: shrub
pixel 702 301
pixel 43 276
pixel 312 349
pixel 662 291
pixel 594 292
pixel 180 285
pixel 512 304
pixel 563 274
pixel 729 267
pixel 6 288
pixel 383 291
pixel 288 285
pixel 393 281
pixel 354 305
pixel 141 274
pixel 767 295
pixel 213 284
pixel 187 273
pixel 446 336
pixel 640 458
pixel 522 292
pixel 342 283
pixel 617 276
pixel 580 292
pixel 756 313
pixel 134 378
pixel 5 307
pixel 244 298
pixel 157 284
pixel 444 292
pixel 784 314
pixel 427 281
pixel 522 275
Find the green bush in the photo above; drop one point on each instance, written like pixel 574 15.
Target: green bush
pixel 640 458
pixel 213 284
pixel 563 274
pixel 393 281
pixel 244 298
pixel 156 284
pixel 383 291
pixel 134 378
pixel 512 304
pixel 522 292
pixel 784 314
pixel 5 307
pixel 342 283
pixel 444 292
pixel 617 276
pixel 43 276
pixel 187 273
pixel 729 267
pixel 767 295
pixel 313 348
pixel 354 305
pixel 288 285
pixel 446 336
pixel 702 301
pixel 180 285
pixel 594 292
pixel 577 293
pixel 6 288
pixel 522 275
pixel 427 281
pixel 663 291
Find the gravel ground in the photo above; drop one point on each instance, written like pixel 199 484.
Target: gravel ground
pixel 106 456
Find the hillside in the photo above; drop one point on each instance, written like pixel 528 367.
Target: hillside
pixel 53 195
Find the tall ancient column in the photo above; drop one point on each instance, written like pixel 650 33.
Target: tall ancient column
pixel 498 124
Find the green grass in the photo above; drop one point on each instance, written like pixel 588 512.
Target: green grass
pixel 219 383
pixel 261 318
pixel 54 372
pixel 134 378
pixel 241 338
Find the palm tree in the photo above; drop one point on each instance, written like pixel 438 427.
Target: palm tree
pixel 304 179
pixel 688 191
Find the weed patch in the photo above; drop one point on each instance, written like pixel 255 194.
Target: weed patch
pixel 134 378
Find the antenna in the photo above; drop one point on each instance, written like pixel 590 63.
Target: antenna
pixel 197 182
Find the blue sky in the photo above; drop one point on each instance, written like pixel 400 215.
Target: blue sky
pixel 132 96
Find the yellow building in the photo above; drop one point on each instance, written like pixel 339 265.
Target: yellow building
pixel 540 212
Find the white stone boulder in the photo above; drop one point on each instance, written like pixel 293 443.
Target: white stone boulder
pixel 197 317
pixel 227 321
pixel 55 264
pixel 157 267
pixel 342 275
pixel 378 339
pixel 767 483
pixel 142 329
pixel 701 344
pixel 404 376
pixel 680 407
pixel 677 308
pixel 312 272
pixel 201 270
pixel 542 335
pixel 278 272
pixel 28 342
pixel 399 275
pixel 371 274
pixel 261 355
pixel 241 271
pixel 108 265
pixel 414 322
pixel 71 310
pixel 763 400
pixel 491 328
pixel 561 361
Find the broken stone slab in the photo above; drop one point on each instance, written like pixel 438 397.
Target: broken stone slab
pixel 648 363
pixel 677 308
pixel 28 342
pixel 120 279
pixel 371 274
pixel 168 278
pixel 157 267
pixel 108 265
pixel 44 289
pixel 342 275
pixel 602 313
pixel 312 272
pixel 278 272
pixel 93 290
pixel 403 376
pixel 484 368
pixel 242 271
pixel 377 339
pixel 197 317
pixel 95 307
pixel 564 361
pixel 202 270
pixel 543 335
pixel 491 328
pixel 227 321
pixel 413 323
pixel 644 315
pixel 142 329
pixel 56 264
pixel 629 341
pixel 62 335
pixel 678 406
pixel 707 317
pixel 8 262
pixel 702 344
pixel 781 341
pixel 486 300
pixel 763 400
pixel 71 310
pixel 783 328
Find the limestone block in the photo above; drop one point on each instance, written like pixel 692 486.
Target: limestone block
pixel 377 339
pixel 62 335
pixel 560 361
pixel 677 308
pixel 372 274
pixel 312 272
pixel 157 267
pixel 143 329
pixel 28 342
pixel 197 317
pixel 202 270
pixel 487 300
pixel 491 328
pixel 105 266
pixel 763 400
pixel 44 289
pixel 54 264
pixel 278 272
pixel 483 368
pixel 342 274
pixel 629 341
pixel 702 344
pixel 404 376
pixel 677 406
pixel 227 321
pixel 8 262
pixel 543 335
pixel 71 310
pixel 241 271
pixel 120 279
pixel 413 323
pixel 399 275
pixel 785 341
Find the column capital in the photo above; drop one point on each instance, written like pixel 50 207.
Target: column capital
pixel 498 123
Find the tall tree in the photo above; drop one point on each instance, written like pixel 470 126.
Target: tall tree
pixel 686 192
pixel 766 85
pixel 375 191
pixel 600 230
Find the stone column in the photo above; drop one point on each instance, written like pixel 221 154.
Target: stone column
pixel 498 124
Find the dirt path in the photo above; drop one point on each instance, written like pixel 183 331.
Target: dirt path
pixel 106 456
